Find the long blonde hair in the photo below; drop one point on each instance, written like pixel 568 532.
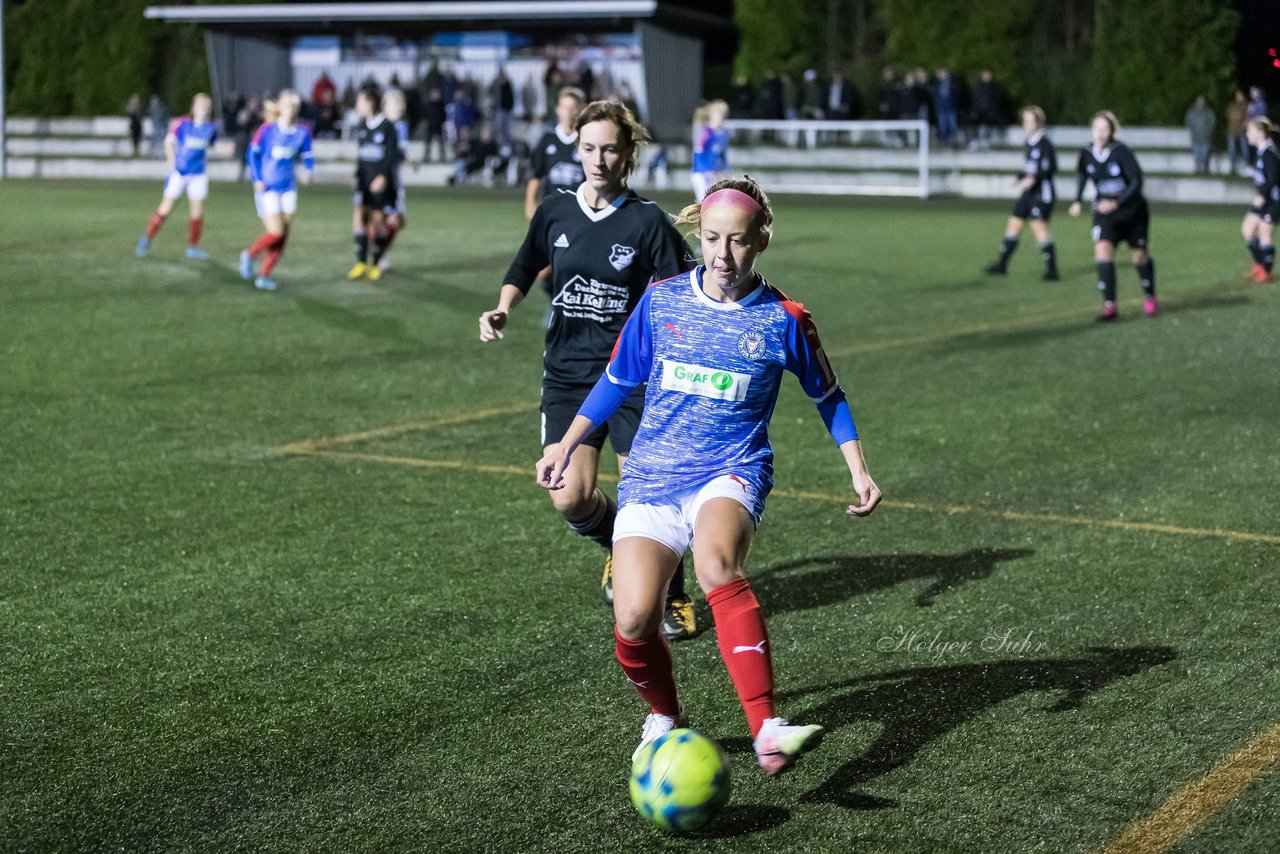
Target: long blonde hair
pixel 692 214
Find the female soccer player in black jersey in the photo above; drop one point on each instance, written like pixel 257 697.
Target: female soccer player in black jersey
pixel 377 162
pixel 1035 204
pixel 1119 211
pixel 1264 210
pixel 604 244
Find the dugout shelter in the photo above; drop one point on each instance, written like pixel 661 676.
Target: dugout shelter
pixel 250 47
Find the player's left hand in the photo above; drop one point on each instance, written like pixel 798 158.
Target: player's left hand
pixel 550 470
pixel 868 495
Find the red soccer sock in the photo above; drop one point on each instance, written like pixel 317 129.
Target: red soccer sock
pixel 157 220
pixel 266 241
pixel 744 646
pixel 194 229
pixel 273 255
pixel 392 231
pixel 647 665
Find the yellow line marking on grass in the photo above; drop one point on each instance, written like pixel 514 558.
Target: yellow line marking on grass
pixel 935 509
pixel 1196 803
pixel 306 446
pixel 1057 518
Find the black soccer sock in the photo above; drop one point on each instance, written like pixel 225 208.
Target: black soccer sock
pixel 1107 280
pixel 1050 255
pixel 598 527
pixel 675 590
pixel 1147 273
pixel 1268 253
pixel 361 241
pixel 380 244
pixel 1255 250
pixel 1007 248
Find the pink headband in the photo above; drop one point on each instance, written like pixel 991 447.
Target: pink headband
pixel 733 198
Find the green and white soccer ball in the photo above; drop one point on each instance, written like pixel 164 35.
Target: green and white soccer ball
pixel 680 780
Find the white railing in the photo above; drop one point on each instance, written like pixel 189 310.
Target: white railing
pixel 811 134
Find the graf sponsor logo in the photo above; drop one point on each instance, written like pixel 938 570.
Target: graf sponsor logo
pixel 706 382
pixel 592 299
pixel 283 152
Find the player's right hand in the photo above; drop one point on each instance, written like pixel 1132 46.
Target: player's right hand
pixel 491 325
pixel 1074 210
pixel 259 187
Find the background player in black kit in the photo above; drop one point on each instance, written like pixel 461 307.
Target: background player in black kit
pixel 377 158
pixel 1035 205
pixel 554 160
pixel 1119 211
pixel 604 245
pixel 1260 220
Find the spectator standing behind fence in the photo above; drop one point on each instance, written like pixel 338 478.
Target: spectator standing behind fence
pixel 1200 122
pixel 943 94
pixel 988 110
pixel 133 109
pixel 710 147
pixel 460 112
pixel 433 116
pixel 159 115
pixel 1237 121
pixel 502 98
pixel 844 101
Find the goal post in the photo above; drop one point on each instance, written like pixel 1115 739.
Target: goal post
pixel 881 158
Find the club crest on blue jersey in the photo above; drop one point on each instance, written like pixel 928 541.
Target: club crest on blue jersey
pixel 751 345
pixel 621 256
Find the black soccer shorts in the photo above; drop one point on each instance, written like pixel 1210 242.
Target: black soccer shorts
pixel 560 405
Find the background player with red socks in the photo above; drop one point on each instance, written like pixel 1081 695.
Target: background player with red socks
pixel 276 147
pixel 185 148
pixel 712 345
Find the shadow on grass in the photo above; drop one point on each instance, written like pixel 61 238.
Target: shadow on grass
pixel 743 820
pixel 917 705
pixel 379 327
pixel 836 578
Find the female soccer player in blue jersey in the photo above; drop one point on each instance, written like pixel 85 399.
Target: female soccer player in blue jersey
pixel 275 148
pixel 604 244
pixel 185 147
pixel 1120 212
pixel 712 345
pixel 710 147
pixel 1259 223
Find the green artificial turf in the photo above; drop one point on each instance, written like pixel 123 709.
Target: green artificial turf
pixel 209 644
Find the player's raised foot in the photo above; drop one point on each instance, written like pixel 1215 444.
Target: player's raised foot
pixel 679 622
pixel 246 266
pixel 1260 274
pixel 1255 271
pixel 195 253
pixel 606 580
pixel 1108 312
pixel 656 726
pixel 263 283
pixel 779 744
pixel 374 273
pixel 1051 275
pixel 144 245
pixel 358 271
pixel 1149 307
pixel 995 270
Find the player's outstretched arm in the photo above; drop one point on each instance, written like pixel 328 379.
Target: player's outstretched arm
pixel 492 322
pixel 551 468
pixel 863 486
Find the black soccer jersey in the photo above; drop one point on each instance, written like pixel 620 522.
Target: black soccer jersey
pixel 377 152
pixel 1266 173
pixel 601 262
pixel 554 161
pixel 1115 174
pixel 1040 161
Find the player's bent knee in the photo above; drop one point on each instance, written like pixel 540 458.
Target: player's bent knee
pixel 635 623
pixel 713 572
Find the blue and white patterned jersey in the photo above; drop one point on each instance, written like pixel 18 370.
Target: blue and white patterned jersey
pixel 272 154
pixel 713 371
pixel 191 142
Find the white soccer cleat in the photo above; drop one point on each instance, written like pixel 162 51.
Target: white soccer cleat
pixel 779 744
pixel 656 726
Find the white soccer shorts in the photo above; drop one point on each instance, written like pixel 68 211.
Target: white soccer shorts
pixel 272 202
pixel 195 186
pixel 671 519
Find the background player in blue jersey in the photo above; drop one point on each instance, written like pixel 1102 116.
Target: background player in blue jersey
pixel 710 146
pixel 1120 211
pixel 1035 203
pixel 395 108
pixel 185 148
pixel 1259 223
pixel 276 147
pixel 604 244
pixel 712 345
